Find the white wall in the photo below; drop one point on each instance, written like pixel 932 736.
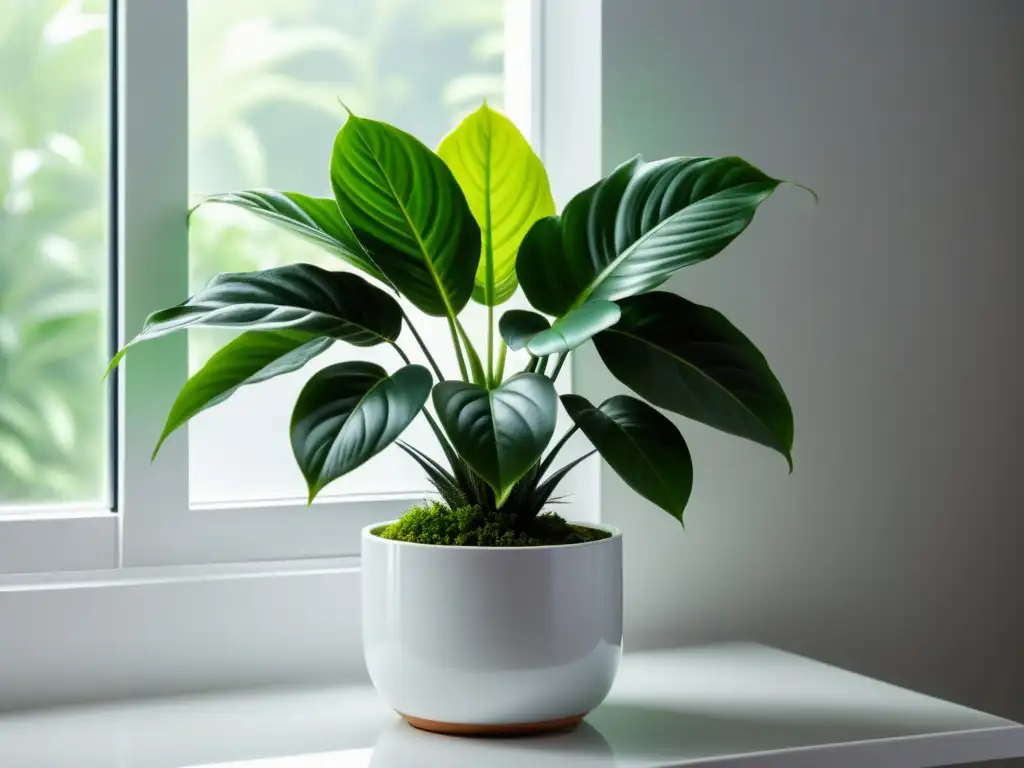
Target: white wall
pixel 890 312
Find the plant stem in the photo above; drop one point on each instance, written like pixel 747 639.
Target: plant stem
pixel 419 340
pixel 531 366
pixel 458 349
pixel 558 365
pixel 401 353
pixel 546 464
pixel 474 359
pixel 542 365
pixel 502 349
pixel 437 431
pixel 490 347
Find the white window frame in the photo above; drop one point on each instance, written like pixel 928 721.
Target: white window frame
pixel 121 602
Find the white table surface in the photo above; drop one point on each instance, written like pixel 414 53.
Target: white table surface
pixel 727 705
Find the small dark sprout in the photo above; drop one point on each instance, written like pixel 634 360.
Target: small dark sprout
pixel 468 526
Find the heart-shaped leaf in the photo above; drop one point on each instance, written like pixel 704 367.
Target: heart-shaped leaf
pixel 518 326
pixel 297 297
pixel 317 219
pixel 578 326
pixel 348 413
pixel 691 360
pixel 643 447
pixel 404 205
pixel 500 433
pixel 507 189
pixel 629 232
pixel 253 357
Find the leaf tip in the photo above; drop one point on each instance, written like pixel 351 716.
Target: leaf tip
pixel 805 188
pixel 114 363
pixel 346 107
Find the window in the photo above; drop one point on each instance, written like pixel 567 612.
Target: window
pixel 54 256
pixel 68 562
pixel 212 95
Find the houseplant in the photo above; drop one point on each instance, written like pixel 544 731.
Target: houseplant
pixel 516 624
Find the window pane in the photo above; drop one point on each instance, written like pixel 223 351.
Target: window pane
pixel 265 79
pixel 54 258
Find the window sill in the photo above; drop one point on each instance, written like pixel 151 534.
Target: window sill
pixel 736 705
pixel 169 630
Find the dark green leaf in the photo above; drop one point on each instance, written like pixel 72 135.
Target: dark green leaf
pixel 405 206
pixel 545 489
pixel 499 433
pixel 643 447
pixel 575 328
pixel 316 219
pixel 691 360
pixel 447 486
pixel 348 413
pixel 518 326
pixel 253 357
pixel 297 297
pixel 629 232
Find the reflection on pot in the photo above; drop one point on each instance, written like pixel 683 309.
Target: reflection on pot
pixel 402 746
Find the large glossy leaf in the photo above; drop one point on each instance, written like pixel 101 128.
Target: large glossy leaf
pixel 629 232
pixel 253 357
pixel 643 447
pixel 507 189
pixel 518 326
pixel 316 219
pixel 297 297
pixel 405 206
pixel 691 360
pixel 578 326
pixel 499 433
pixel 348 413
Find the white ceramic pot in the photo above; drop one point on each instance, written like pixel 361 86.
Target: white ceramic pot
pixel 491 639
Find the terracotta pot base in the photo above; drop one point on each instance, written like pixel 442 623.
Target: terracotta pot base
pixel 484 729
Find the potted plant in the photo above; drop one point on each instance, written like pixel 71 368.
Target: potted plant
pixel 482 612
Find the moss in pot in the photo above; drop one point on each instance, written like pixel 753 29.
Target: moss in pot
pixel 474 222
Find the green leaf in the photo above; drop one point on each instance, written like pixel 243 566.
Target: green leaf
pixel 546 488
pixel 518 326
pixel 629 232
pixel 405 206
pixel 317 219
pixel 691 360
pixel 643 447
pixel 253 357
pixel 507 189
pixel 578 326
pixel 521 328
pixel 500 433
pixel 297 297
pixel 349 412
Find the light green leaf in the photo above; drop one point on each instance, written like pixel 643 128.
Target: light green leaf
pixel 500 433
pixel 253 357
pixel 316 219
pixel 643 447
pixel 507 189
pixel 689 359
pixel 405 206
pixel 629 232
pixel 349 412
